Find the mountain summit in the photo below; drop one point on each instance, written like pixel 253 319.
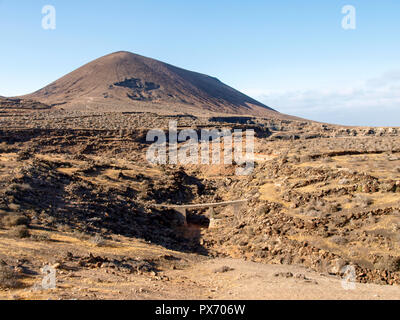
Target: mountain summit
pixel 124 81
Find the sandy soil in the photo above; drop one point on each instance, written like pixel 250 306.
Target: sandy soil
pixel 209 279
pixel 249 280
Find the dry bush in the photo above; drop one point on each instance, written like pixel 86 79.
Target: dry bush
pixel 8 278
pixel 344 181
pixel 326 160
pixel 388 263
pixel 13 220
pixel 310 211
pixel 98 240
pixel 63 227
pixel 382 233
pixel 24 154
pixel 334 207
pixel 40 237
pixel 19 232
pixel 363 201
pixel 5 148
pixel 80 235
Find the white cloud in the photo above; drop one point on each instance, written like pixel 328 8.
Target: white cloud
pixel 376 102
pixel 387 79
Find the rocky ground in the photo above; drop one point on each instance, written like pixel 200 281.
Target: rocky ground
pixel 77 193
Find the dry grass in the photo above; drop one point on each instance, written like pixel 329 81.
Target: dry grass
pixel 8 278
pixel 19 232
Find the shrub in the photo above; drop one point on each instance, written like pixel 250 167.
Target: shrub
pixel 388 263
pixel 363 200
pixel 80 235
pixel 339 240
pixel 40 237
pixel 98 240
pixel 13 220
pixel 20 232
pixel 8 278
pixel 24 155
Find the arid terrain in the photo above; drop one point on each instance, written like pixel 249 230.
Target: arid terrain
pixel 79 195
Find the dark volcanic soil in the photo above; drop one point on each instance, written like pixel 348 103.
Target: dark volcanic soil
pixel 124 81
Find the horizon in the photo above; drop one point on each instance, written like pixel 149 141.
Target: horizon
pixel 296 59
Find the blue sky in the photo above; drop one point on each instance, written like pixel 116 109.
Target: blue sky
pixel 292 55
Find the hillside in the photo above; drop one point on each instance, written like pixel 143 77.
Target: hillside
pixel 124 81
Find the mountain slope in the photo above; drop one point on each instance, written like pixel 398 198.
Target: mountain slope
pixel 19 104
pixel 130 82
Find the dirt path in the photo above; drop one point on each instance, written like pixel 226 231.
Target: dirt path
pixel 208 280
pixel 177 275
pixel 249 280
